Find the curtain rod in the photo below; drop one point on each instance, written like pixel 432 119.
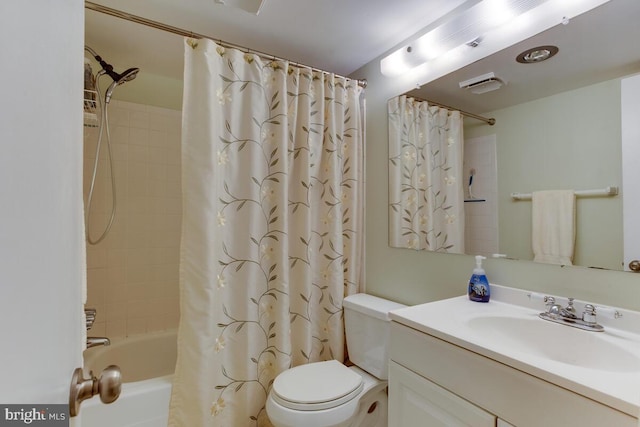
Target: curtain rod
pixel 179 31
pixel 489 121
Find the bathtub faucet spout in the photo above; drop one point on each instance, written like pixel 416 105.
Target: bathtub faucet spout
pixel 96 341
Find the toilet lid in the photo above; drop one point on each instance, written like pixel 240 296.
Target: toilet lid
pixel 320 385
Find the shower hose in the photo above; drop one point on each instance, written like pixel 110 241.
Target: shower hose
pixel 103 127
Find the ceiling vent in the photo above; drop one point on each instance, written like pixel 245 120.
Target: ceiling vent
pixel 482 84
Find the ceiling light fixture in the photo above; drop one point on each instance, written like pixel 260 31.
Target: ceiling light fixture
pixel 537 54
pixel 463 28
pixel 538 19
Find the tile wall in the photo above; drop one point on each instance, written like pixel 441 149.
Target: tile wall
pixel 132 275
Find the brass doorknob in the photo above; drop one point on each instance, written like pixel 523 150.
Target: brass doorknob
pixel 108 387
pixel 635 266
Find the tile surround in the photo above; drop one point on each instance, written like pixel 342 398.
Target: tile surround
pixel 132 275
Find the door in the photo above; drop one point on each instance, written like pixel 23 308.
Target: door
pixel 41 221
pixel 630 113
pixel 416 401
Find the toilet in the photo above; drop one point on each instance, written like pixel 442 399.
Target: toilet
pixel 329 394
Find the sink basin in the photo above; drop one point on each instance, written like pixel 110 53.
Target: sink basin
pixel 560 343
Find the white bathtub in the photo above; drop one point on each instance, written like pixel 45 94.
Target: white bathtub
pixel 147 363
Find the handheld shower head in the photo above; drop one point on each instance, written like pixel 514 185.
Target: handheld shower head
pixel 107 68
pixel 119 79
pixel 128 75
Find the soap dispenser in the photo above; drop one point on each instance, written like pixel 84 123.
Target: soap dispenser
pixel 479 290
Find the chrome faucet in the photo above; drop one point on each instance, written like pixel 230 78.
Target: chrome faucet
pixel 567 315
pixel 568 312
pixel 90 316
pixel 96 341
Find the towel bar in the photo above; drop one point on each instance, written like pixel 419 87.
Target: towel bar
pixel 605 192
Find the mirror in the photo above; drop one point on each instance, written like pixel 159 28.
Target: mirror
pixel 557 127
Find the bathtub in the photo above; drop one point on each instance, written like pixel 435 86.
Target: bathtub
pixel 147 363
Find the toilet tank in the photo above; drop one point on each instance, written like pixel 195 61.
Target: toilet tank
pixel 367 325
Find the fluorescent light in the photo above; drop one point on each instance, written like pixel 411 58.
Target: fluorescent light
pixel 469 25
pixel 498 12
pixel 397 63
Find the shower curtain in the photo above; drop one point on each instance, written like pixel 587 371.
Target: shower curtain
pixel 272 228
pixel 426 197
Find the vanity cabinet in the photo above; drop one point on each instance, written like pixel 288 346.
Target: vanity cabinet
pixel 435 383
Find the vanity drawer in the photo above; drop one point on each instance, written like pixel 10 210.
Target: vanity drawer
pixel 515 396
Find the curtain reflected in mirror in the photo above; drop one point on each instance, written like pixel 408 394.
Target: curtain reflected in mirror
pixel 426 197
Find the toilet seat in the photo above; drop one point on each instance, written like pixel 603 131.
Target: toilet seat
pixel 316 386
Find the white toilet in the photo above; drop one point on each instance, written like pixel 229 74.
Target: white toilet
pixel 328 394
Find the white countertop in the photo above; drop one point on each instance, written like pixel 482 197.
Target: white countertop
pixel 609 373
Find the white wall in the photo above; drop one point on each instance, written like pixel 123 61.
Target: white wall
pixel 412 277
pixel 41 235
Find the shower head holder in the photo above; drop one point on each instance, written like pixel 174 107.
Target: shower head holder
pixel 107 68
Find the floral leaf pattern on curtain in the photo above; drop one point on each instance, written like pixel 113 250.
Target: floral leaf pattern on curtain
pixel 426 198
pixel 272 229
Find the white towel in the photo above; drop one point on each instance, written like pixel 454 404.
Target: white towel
pixel 554 226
